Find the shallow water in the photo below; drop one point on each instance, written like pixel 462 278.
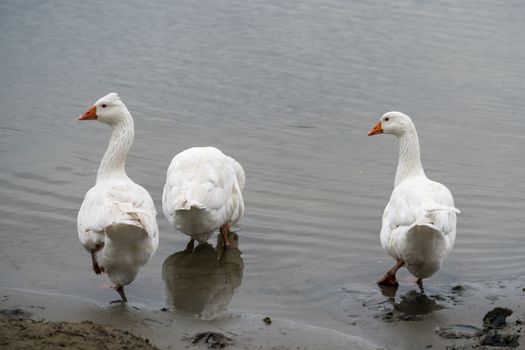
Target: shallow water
pixel 290 91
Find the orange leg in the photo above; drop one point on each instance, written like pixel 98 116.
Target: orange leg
pixel 225 229
pixel 389 279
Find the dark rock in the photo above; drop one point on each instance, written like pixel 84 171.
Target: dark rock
pixel 267 320
pixel 496 318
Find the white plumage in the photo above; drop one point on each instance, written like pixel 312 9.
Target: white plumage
pixel 203 192
pixel 419 221
pixel 117 220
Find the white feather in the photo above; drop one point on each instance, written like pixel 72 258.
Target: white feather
pixel 117 212
pixel 203 191
pixel 419 221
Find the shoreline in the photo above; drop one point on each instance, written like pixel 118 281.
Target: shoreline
pixel 171 329
pixel 445 316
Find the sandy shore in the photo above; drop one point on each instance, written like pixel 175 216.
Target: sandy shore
pixel 459 317
pixel 28 334
pixel 163 329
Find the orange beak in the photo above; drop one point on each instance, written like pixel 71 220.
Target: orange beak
pixel 377 129
pixel 89 114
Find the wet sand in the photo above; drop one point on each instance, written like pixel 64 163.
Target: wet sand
pixel 168 329
pixel 444 316
pixel 27 334
pixel 462 316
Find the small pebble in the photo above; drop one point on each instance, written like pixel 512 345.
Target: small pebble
pixel 267 320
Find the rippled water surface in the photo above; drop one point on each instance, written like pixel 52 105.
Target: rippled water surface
pixel 290 90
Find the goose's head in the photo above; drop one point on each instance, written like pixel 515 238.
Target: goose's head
pixel 108 109
pixel 395 123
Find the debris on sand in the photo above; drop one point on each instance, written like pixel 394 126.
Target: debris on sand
pixel 15 313
pixel 267 320
pixel 508 341
pixel 458 331
pixel 494 322
pixel 213 339
pixel 457 289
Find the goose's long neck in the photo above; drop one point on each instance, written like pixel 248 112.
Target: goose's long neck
pixel 113 162
pixel 409 163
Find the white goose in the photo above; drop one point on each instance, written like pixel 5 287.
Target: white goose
pixel 117 220
pixel 419 221
pixel 203 193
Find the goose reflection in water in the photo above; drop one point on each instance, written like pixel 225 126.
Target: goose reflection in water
pixel 417 303
pixel 413 304
pixel 202 280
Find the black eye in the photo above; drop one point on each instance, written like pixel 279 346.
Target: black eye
pixel 387 119
pixel 104 105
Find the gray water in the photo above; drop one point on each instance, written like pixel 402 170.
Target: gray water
pixel 290 90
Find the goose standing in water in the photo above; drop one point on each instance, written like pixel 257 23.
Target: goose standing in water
pixel 203 193
pixel 419 221
pixel 117 221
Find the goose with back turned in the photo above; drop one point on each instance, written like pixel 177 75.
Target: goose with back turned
pixel 117 220
pixel 203 193
pixel 419 222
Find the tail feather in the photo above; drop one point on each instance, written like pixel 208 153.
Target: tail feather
pixel 422 237
pixel 429 208
pixel 125 233
pixel 184 204
pixel 438 216
pixel 424 249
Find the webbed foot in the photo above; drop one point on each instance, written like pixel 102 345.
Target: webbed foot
pixel 120 291
pixel 389 279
